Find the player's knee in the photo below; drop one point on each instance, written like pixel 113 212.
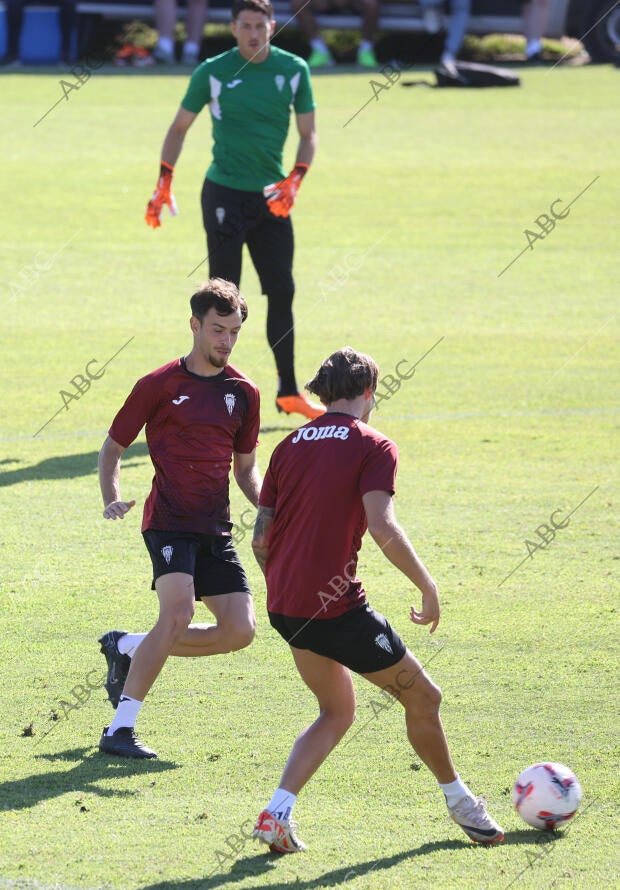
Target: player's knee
pixel 349 718
pixel 342 720
pixel 423 697
pixel 177 620
pixel 433 696
pixel 241 635
pixel 246 635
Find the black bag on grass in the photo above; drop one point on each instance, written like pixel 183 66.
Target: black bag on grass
pixel 471 74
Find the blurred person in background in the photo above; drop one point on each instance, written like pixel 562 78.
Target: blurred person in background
pixel 456 26
pixel 535 15
pixel 165 21
pixel 320 55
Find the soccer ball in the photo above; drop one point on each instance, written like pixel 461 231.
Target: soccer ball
pixel 546 795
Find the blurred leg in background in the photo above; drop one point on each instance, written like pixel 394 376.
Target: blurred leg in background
pixel 535 14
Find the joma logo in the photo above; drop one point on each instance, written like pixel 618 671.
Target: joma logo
pixel 310 433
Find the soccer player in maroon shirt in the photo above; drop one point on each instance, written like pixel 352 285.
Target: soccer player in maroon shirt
pixel 201 414
pixel 326 484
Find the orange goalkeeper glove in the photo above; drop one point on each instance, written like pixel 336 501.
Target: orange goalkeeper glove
pixel 281 195
pixel 162 195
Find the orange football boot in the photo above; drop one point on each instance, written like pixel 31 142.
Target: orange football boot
pixel 299 404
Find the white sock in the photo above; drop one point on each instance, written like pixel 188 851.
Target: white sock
pixel 319 44
pixel 128 644
pixel 281 804
pixel 454 791
pixel 126 714
pixel 533 47
pixel 165 44
pixel 364 45
pixel 191 47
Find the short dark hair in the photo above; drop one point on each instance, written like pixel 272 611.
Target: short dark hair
pixel 263 6
pixel 346 374
pixel 222 295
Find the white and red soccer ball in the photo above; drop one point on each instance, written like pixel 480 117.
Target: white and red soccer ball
pixel 546 795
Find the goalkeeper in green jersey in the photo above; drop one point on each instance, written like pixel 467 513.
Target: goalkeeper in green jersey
pixel 247 196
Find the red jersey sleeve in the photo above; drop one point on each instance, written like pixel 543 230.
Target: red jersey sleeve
pixel 138 408
pixel 246 439
pixel 379 466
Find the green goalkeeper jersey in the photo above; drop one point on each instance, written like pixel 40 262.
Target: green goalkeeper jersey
pixel 250 108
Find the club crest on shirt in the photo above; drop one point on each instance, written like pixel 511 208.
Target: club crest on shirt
pixel 280 81
pixel 230 401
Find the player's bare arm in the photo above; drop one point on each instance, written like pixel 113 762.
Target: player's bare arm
pixel 247 475
pixel 173 143
pixel 110 480
pixel 394 543
pixel 261 534
pixel 308 138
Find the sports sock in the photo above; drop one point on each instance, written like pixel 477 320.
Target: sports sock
pixel 165 44
pixel 128 644
pixel 319 45
pixel 281 804
pixel 126 714
pixel 454 791
pixel 280 320
pixel 281 338
pixel 533 47
pixel 287 385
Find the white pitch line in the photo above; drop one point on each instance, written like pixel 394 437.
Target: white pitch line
pixel 466 415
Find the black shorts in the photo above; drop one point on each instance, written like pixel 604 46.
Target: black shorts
pixel 361 639
pixel 211 560
pixel 232 218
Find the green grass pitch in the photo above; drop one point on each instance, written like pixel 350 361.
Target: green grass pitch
pixel 403 227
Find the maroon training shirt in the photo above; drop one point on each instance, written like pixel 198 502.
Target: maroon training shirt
pixel 193 425
pixel 315 482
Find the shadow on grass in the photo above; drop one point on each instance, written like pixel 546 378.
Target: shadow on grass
pixel 263 863
pixel 89 769
pixel 266 863
pixel 68 466
pixel 532 836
